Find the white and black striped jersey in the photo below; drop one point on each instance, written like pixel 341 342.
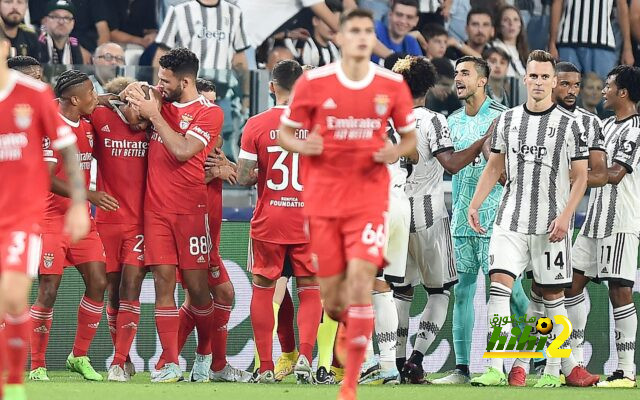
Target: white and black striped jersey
pixel 616 208
pixel 398 170
pixel 587 23
pixel 214 33
pixel 591 128
pixel 310 52
pixel 425 186
pixel 538 148
pixel 429 6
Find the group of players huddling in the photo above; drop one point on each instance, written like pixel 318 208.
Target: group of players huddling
pixel 369 225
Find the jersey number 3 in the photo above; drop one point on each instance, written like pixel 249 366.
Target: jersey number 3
pixel 287 175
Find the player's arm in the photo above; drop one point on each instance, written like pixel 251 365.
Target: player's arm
pixel 454 161
pixel 560 226
pixel 597 175
pixel 490 176
pixel 76 218
pixel 218 166
pixel 66 189
pixel 247 172
pixel 626 158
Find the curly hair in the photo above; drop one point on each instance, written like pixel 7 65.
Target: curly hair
pixel 68 80
pixel 19 62
pixel 418 72
pixel 181 61
pixel 118 84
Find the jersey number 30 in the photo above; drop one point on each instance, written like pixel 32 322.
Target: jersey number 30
pixel 286 174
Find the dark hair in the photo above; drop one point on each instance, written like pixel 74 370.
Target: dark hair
pixel 410 3
pixel 481 65
pixel 444 68
pixel 390 61
pixel 429 31
pixel 627 77
pixel 418 72
pixel 542 56
pixel 496 50
pixel 68 80
pixel 205 85
pixel 334 5
pixel 521 40
pixel 479 11
pixel 181 61
pixel 286 73
pixel 565 66
pixel 355 13
pixel 22 62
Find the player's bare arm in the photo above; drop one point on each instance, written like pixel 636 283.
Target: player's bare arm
pixel 77 219
pixel 598 174
pixel 312 146
pixel 391 153
pixel 247 173
pixel 488 179
pixel 454 161
pixel 615 173
pixel 560 226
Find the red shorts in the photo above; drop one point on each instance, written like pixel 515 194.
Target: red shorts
pixel 337 240
pixel 58 252
pixel 20 250
pixel 176 239
pixel 123 244
pixel 267 259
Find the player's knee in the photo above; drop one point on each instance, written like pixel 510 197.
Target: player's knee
pixel 306 281
pixel 404 290
pixel 620 295
pixel 263 281
pixel 334 311
pixel 47 294
pixel 224 294
pixel 98 284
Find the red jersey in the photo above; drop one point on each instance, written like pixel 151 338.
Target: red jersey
pixel 57 205
pixel 214 194
pixel 29 120
pixel 352 117
pixel 122 166
pixel 178 187
pixel 278 217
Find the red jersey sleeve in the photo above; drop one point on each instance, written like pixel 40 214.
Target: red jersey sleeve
pixel 207 125
pixel 300 109
pixel 52 127
pixel 402 112
pixel 248 146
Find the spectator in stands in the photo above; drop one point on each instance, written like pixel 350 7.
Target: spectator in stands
pixel 479 31
pixel 585 38
pixel 319 49
pixel 403 17
pixel 434 12
pixel 27 65
pixel 498 61
pixel 133 22
pixel 591 92
pixel 511 37
pixel 151 58
pixel 91 25
pixel 206 88
pixel 435 41
pixel 107 58
pixel 442 97
pixel 24 41
pixel 634 22
pixel 56 46
pixel 276 55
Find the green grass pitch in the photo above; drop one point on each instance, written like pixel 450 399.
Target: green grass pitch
pixel 65 386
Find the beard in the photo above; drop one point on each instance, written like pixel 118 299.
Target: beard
pixel 566 106
pixel 174 95
pixel 10 20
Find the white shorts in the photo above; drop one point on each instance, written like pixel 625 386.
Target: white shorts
pixel 430 260
pixel 398 239
pixel 613 258
pixel 511 252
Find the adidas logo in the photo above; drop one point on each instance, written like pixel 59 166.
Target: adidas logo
pixel 373 251
pixel 329 104
pixel 106 129
pixel 559 276
pixel 604 270
pixel 41 329
pixel 130 325
pixel 200 260
pixel 94 326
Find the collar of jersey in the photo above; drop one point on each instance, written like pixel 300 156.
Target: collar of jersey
pixel 355 85
pixel 70 122
pixel 181 105
pixel 547 111
pixel 625 120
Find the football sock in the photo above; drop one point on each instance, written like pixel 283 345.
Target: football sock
pixel 519 300
pixel 89 316
pixel 112 317
pixel 167 321
pixel 552 308
pixel 309 315
pixel 286 334
pixel 41 320
pixel 463 316
pixel 433 317
pixel 577 311
pixel 533 310
pixel 221 315
pixel 187 323
pixel 126 328
pixel 498 303
pixel 403 306
pixel 386 324
pixel 203 316
pixel 358 334
pixel 262 323
pixel 16 337
pixel 626 324
pixel 326 339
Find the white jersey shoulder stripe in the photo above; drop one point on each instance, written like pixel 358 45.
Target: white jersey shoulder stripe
pixel 385 73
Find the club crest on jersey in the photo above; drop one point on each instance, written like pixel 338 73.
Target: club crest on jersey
pixel 47 260
pixel 381 102
pixel 551 131
pixel 185 121
pixel 22 115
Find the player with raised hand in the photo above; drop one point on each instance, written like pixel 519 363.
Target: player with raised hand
pixel 176 231
pixel 77 98
pixel 29 119
pixel 346 178
pixel 537 144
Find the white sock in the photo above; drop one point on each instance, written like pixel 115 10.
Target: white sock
pixel 535 308
pixel 499 303
pixel 386 323
pixel 577 313
pixel 433 317
pixel 370 353
pixel 553 308
pixel 403 305
pixel 626 324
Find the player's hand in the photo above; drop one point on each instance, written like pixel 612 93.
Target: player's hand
pixel 146 104
pixel 558 229
pixel 133 87
pixel 314 144
pixel 503 178
pixel 388 154
pixel 216 158
pixel 76 222
pixel 229 174
pixel 103 201
pixel 474 221
pixel 553 50
pixel 626 58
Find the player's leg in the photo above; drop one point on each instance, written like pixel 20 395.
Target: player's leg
pixel 284 312
pixel 113 302
pixel 186 318
pixel 326 340
pixel 111 236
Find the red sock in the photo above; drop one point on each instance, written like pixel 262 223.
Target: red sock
pixel 286 335
pixel 41 320
pixel 262 321
pixel 221 314
pixel 112 317
pixel 89 316
pixel 16 332
pixel 203 316
pixel 126 328
pixel 187 325
pixel 167 324
pixel 309 315
pixel 359 329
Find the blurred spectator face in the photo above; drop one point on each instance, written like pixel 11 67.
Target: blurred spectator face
pixel 510 24
pixel 568 89
pixel 499 65
pixel 12 12
pixel 110 54
pixel 59 24
pixel 322 30
pixel 480 29
pixel 278 54
pixel 402 19
pixel 467 80
pixel 133 117
pixel 437 46
pixel 591 91
pixel 356 38
pixel 540 80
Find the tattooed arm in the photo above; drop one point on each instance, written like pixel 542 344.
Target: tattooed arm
pixel 247 175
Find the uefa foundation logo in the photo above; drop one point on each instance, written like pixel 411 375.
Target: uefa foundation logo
pixel 528 337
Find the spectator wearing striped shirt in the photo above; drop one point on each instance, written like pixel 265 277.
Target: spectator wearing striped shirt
pixel 582 33
pixel 57 47
pixel 319 49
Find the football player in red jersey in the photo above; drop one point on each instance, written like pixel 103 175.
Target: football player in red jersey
pixel 175 221
pixel 29 119
pixel 346 178
pixel 76 98
pixel 278 228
